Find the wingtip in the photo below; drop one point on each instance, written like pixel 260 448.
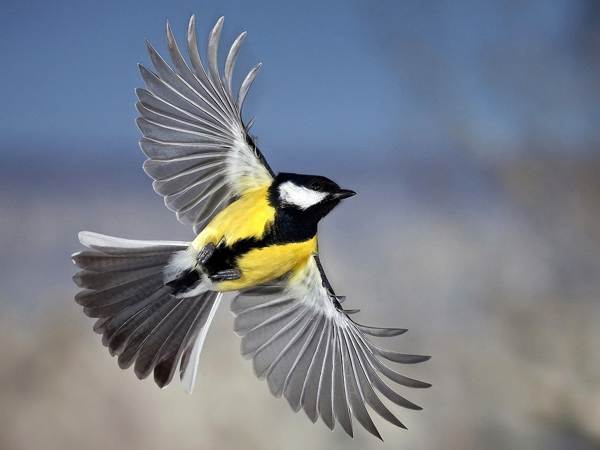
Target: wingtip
pixel 162 384
pixel 218 27
pixel 191 30
pixel 169 31
pixel 74 257
pixel 77 280
pixel 138 123
pixel 313 417
pixel 147 171
pixel 374 432
pixel 150 48
pixel 329 424
pixel 425 358
pixel 215 34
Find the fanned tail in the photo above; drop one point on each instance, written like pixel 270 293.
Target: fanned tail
pixel 140 321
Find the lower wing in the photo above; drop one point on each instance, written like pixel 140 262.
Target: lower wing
pixel 311 352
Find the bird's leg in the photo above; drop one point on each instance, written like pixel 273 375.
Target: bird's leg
pixel 226 275
pixel 206 252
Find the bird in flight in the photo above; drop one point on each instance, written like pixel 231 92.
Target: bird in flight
pixel 256 233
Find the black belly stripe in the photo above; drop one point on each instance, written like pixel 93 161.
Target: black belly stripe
pixel 225 256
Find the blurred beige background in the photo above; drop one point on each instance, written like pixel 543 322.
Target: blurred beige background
pixel 471 136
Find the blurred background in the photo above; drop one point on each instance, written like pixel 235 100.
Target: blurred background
pixel 469 129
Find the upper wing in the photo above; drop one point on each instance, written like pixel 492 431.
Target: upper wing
pixel 199 151
pixel 313 353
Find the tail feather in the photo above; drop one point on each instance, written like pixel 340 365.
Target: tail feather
pixel 106 280
pixel 92 260
pixel 144 324
pixel 111 301
pixel 123 324
pixel 189 360
pixel 139 318
pixel 192 336
pixel 111 245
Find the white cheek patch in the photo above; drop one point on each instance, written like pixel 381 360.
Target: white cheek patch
pixel 299 196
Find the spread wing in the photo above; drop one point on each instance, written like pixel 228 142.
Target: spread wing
pixel 310 351
pixel 200 154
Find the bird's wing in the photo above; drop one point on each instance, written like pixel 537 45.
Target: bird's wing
pixel 200 154
pixel 310 351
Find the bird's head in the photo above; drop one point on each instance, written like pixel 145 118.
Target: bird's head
pixel 308 195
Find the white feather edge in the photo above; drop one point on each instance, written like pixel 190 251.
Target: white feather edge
pixel 191 370
pixel 92 239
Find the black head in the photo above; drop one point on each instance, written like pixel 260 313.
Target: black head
pixel 308 195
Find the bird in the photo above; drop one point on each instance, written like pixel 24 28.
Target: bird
pixel 255 234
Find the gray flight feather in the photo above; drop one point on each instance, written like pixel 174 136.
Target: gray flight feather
pixel 107 263
pixel 213 48
pixel 310 385
pixel 341 408
pixel 196 61
pixel 280 368
pixel 231 60
pixel 356 398
pixel 294 382
pixel 246 85
pixel 325 386
pixel 366 387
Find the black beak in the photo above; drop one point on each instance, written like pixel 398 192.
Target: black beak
pixel 343 193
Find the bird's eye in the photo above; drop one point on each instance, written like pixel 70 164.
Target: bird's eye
pixel 317 185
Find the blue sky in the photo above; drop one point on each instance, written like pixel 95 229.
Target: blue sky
pixel 341 79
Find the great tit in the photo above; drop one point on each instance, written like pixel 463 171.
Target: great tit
pixel 256 234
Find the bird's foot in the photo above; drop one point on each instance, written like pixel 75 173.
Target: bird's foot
pixel 226 275
pixel 206 252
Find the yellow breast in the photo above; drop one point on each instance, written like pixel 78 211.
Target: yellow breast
pixel 261 265
pixel 247 217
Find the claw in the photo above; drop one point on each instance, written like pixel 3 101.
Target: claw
pixel 206 252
